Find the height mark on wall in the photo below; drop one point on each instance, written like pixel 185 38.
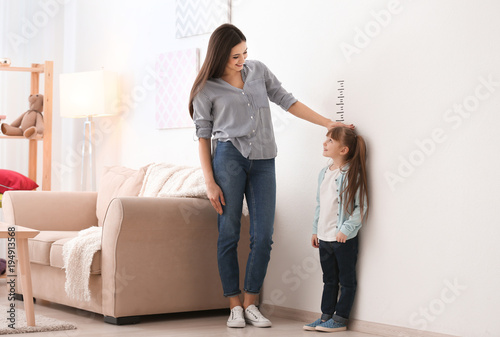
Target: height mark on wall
pixel 340 104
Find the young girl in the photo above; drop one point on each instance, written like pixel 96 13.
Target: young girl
pixel 342 208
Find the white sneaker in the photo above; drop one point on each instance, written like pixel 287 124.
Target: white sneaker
pixel 236 319
pixel 254 317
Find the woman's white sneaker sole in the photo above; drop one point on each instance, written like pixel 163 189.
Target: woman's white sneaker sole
pixel 260 324
pixel 236 324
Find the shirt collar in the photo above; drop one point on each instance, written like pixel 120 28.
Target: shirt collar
pixel 244 72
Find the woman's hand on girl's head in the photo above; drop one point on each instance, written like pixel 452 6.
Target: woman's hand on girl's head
pixel 315 241
pixel 350 126
pixel 216 197
pixel 331 124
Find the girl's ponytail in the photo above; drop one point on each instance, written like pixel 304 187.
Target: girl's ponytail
pixel 357 173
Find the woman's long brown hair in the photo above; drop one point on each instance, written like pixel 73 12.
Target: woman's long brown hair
pixel 222 40
pixel 356 174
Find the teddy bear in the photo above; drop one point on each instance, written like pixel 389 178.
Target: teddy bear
pixel 30 123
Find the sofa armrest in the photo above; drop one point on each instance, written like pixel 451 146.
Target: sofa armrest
pixel 165 250
pixel 47 210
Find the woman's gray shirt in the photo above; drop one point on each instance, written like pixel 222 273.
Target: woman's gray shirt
pixel 242 116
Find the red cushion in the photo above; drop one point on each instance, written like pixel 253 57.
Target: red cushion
pixel 11 181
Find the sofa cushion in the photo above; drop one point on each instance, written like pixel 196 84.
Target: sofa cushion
pixel 56 257
pixel 40 245
pixel 117 181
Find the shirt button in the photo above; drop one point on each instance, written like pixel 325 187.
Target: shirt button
pixel 250 143
pixel 248 104
pixel 251 117
pixel 242 92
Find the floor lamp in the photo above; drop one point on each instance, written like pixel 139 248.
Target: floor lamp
pixel 87 95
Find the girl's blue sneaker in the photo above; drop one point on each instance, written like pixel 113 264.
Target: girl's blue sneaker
pixel 312 326
pixel 331 326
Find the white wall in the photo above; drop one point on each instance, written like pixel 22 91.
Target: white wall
pixel 428 256
pixel 435 228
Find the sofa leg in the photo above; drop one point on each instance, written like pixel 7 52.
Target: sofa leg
pixel 122 320
pixel 19 297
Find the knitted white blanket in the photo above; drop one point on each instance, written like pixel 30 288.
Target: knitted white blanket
pixel 169 180
pixel 77 255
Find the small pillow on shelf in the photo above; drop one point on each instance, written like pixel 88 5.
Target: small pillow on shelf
pixel 12 181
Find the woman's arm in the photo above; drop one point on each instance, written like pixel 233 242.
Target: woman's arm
pixel 214 192
pixel 301 110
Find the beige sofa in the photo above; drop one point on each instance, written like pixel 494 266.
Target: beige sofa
pixel 158 254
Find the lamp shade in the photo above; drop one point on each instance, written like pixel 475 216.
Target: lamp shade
pixel 88 94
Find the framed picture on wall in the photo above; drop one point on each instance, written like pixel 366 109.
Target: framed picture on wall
pixel 196 17
pixel 176 71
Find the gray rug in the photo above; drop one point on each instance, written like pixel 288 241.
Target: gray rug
pixel 43 323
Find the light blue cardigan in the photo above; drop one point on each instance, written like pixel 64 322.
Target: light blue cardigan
pixel 349 224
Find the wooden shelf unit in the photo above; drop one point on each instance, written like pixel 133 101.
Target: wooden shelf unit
pixel 47 69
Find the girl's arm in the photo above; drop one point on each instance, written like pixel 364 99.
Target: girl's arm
pixel 301 110
pixel 354 221
pixel 314 239
pixel 214 192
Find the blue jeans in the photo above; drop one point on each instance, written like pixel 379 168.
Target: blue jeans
pixel 256 179
pixel 338 262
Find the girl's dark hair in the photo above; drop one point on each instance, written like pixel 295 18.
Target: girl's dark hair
pixel 356 174
pixel 222 40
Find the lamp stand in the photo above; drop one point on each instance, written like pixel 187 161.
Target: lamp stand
pixel 88 155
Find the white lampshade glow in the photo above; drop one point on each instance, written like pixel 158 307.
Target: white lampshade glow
pixel 88 94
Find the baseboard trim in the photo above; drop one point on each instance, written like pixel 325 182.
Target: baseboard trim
pixel 391 330
pixel 289 313
pixel 378 329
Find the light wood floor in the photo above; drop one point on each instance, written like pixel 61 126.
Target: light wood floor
pixel 210 323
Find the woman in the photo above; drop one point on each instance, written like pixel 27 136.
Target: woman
pixel 229 102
